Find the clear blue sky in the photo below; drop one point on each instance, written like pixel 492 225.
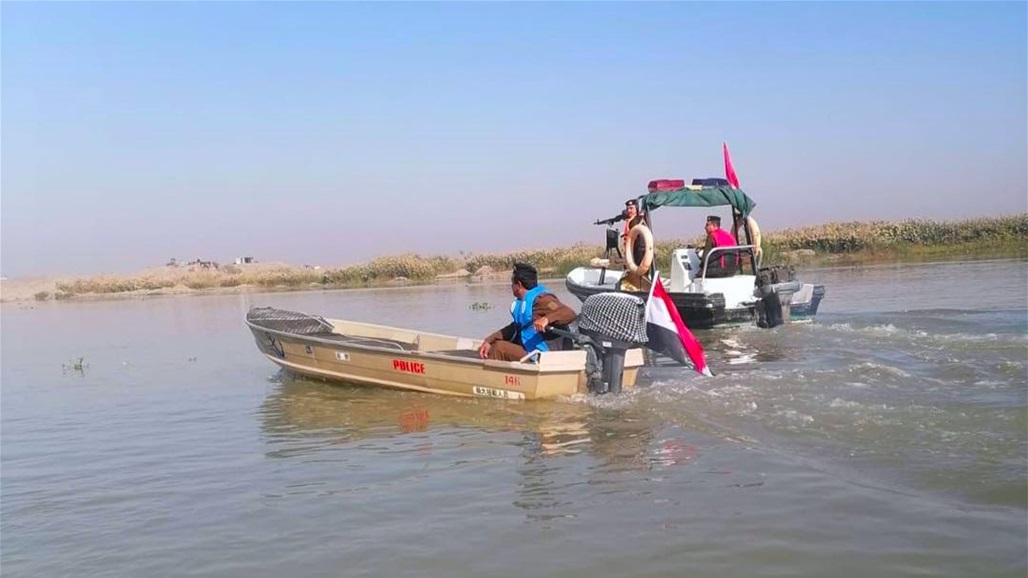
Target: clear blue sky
pixel 332 133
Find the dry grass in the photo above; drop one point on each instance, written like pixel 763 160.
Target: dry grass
pixel 857 241
pixel 1000 236
pixel 852 241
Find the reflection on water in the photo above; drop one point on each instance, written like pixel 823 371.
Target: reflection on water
pixel 304 416
pixel 310 420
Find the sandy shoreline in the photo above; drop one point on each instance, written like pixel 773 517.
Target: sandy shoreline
pixel 49 288
pixel 22 290
pixel 26 289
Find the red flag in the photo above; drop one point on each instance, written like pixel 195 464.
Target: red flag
pixel 729 169
pixel 668 334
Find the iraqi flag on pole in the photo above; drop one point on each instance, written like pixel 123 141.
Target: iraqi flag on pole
pixel 729 169
pixel 668 334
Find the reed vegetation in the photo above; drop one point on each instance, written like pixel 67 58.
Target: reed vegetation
pixel 1005 236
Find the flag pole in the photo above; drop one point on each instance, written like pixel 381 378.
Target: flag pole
pixel 656 279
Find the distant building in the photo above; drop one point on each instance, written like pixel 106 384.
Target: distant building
pixel 242 260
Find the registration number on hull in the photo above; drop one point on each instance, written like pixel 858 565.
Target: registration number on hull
pixel 498 393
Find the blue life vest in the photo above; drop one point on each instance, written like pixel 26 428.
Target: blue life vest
pixel 521 311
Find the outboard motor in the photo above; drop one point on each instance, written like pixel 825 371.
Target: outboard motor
pixel 775 288
pixel 609 325
pixel 769 307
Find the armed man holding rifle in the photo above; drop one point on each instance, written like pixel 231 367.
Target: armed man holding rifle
pixel 632 217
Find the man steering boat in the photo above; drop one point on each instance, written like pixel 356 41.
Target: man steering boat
pixel 534 309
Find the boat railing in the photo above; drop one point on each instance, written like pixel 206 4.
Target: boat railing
pixel 724 249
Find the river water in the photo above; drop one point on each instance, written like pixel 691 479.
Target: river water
pixel 888 438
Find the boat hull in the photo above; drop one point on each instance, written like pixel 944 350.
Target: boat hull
pixel 707 310
pixel 375 355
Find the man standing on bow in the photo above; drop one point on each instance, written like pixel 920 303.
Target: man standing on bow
pixel 534 309
pixel 632 218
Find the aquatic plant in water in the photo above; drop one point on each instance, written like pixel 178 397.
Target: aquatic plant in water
pixel 79 365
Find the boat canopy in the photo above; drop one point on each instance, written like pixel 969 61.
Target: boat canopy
pixel 705 197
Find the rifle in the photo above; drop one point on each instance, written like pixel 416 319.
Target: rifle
pixel 619 217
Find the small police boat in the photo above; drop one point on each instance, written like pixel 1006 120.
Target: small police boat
pixel 600 353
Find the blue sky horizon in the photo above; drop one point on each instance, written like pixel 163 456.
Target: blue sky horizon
pixel 333 133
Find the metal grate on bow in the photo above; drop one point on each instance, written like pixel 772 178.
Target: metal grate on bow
pixel 287 321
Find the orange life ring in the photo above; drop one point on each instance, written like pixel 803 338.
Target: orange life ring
pixel 643 267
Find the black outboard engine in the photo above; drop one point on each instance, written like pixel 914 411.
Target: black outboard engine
pixel 775 288
pixel 769 307
pixel 609 325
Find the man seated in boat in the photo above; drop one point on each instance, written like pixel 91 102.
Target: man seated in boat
pixel 721 263
pixel 534 309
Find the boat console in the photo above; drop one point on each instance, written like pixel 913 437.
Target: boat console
pixel 685 264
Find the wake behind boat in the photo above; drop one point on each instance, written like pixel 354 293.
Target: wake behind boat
pixel 768 296
pixel 600 355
